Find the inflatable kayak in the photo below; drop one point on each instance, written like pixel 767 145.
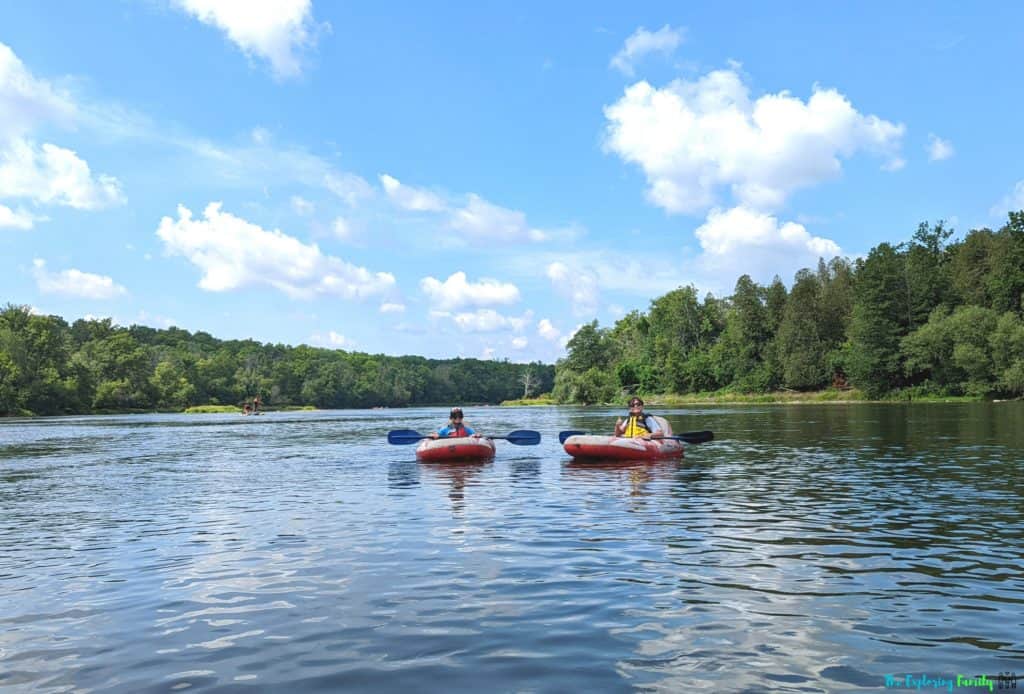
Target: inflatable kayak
pixel 591 447
pixel 615 448
pixel 443 450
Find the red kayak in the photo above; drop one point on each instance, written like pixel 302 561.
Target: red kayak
pixel 617 448
pixel 443 450
pixel 591 447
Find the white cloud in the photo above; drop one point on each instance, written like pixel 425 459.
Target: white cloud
pixel 456 292
pixel 332 339
pixel 741 241
pixel 548 331
pixel 691 138
pixel 616 311
pixel 642 42
pixel 1012 202
pixel 342 229
pixel 519 342
pixel 726 233
pixel 235 253
pixel 15 219
pixel 47 173
pixel 347 186
pixel 275 31
pixel 410 198
pixel 392 308
pixel 26 101
pixel 302 206
pixel 487 354
pixel 485 320
pixel 75 283
pixel 54 175
pixel 938 149
pixel 579 285
pixel 483 221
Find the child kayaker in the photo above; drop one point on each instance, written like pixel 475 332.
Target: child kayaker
pixel 455 427
pixel 638 424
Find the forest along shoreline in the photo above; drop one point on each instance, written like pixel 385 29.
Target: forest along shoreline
pixel 919 321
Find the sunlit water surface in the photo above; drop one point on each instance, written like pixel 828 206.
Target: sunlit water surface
pixel 808 549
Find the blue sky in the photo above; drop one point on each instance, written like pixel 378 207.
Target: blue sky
pixel 479 179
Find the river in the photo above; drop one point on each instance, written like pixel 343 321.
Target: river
pixel 809 548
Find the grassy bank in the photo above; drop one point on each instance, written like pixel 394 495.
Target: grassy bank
pixel 540 400
pixel 212 409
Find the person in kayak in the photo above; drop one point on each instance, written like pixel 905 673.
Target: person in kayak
pixel 455 427
pixel 638 423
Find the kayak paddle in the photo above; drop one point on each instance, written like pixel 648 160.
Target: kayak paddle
pixel 522 437
pixel 688 437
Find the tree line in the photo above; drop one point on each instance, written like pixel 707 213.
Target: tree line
pixel 924 317
pixel 50 367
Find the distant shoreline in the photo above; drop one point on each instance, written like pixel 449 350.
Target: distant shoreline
pixel 821 397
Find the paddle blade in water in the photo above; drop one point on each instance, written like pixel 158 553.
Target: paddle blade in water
pixel 695 436
pixel 404 436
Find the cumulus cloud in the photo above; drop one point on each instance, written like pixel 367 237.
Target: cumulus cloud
pixel 548 331
pixel 692 138
pixel 743 241
pixel 235 253
pixel 54 175
pixel 519 342
pixel 642 42
pixel 484 320
pixel 275 31
pixel 392 308
pixel 410 198
pixel 332 339
pixel 457 292
pixel 44 174
pixel 15 219
pixel 75 283
pixel 579 285
pixel 483 221
pixel 1012 202
pixel 938 149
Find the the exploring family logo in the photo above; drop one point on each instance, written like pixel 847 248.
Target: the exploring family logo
pixel 1004 680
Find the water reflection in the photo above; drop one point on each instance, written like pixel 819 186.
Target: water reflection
pixel 807 548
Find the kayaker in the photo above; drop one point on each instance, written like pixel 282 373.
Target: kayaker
pixel 638 424
pixel 455 428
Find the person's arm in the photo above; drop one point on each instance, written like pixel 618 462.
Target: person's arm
pixel 620 428
pixel 654 428
pixel 470 432
pixel 440 433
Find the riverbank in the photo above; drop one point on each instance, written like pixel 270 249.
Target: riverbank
pixel 232 409
pixel 821 397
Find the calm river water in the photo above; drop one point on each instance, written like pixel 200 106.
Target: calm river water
pixel 809 548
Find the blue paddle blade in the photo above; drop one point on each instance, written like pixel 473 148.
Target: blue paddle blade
pixel 404 436
pixel 563 435
pixel 522 437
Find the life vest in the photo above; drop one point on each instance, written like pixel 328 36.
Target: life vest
pixel 636 426
pixel 458 432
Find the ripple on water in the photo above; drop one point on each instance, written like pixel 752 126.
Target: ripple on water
pixel 810 549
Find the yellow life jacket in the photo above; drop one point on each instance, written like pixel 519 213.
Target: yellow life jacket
pixel 636 426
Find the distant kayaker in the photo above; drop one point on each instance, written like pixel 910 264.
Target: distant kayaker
pixel 638 424
pixel 255 404
pixel 455 427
